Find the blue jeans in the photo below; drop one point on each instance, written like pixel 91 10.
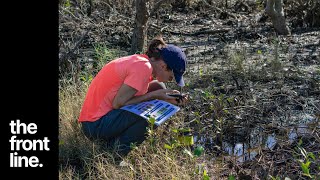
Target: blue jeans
pixel 118 126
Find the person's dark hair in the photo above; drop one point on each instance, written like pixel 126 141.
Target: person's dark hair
pixel 155 44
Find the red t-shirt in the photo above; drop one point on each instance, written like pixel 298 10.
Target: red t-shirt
pixel 134 71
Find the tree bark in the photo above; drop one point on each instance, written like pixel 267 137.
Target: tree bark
pixel 140 28
pixel 274 10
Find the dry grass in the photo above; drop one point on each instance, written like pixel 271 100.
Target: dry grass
pixel 83 159
pixel 231 92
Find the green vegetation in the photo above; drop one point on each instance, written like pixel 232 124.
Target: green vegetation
pixel 170 151
pixel 242 90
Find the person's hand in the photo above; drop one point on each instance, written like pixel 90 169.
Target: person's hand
pixel 163 94
pixel 180 99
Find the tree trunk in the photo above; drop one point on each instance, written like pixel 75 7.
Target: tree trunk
pixel 140 29
pixel 275 12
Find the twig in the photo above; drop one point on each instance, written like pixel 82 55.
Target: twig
pixel 114 11
pixel 193 33
pixel 157 6
pixel 218 9
pixel 212 7
pixel 196 118
pixel 237 84
pixel 75 47
pixel 239 107
pixel 317 137
pixel 69 12
pixel 315 106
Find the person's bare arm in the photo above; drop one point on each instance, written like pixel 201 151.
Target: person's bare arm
pixel 125 96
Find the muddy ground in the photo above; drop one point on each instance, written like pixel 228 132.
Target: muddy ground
pixel 254 96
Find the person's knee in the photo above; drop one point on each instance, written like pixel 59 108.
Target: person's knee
pixel 88 131
pixel 155 85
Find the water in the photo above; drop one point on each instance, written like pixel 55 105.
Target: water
pixel 246 143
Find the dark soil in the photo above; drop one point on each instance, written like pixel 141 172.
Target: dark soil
pixel 254 95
